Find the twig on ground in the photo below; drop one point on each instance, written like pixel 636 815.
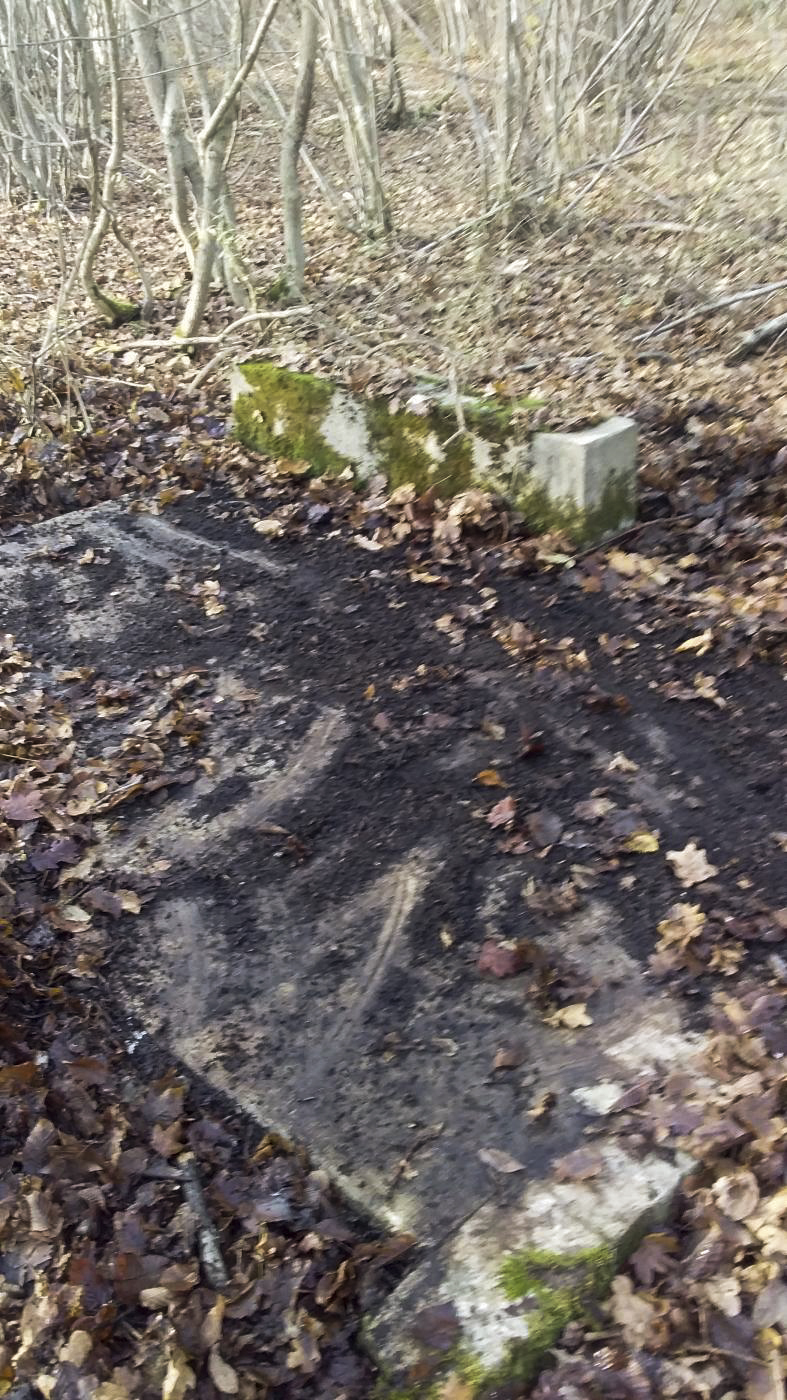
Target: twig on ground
pixel 668 226
pixel 178 342
pixel 764 334
pixel 708 309
pixel 213 363
pixel 207 1236
pixel 628 533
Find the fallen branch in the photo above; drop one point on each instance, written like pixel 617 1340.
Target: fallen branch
pixel 668 226
pixel 761 335
pixel 204 374
pixel 710 307
pixel 178 342
pixel 209 1248
pixel 601 546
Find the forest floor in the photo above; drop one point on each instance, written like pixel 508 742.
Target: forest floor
pixel 681 626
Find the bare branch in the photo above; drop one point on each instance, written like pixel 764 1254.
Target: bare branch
pixel 177 342
pixel 708 309
pixel 227 102
pixel 764 334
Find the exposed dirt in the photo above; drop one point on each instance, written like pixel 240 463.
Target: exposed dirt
pixel 487 662
pixel 704 773
pixel 567 687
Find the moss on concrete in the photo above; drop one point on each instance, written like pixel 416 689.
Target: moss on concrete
pixel 554 1290
pixel 428 450
pixel 285 414
pixel 559 1286
pixel 298 402
pixel 544 512
pixel 401 440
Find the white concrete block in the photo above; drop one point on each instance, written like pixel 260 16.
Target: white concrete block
pixel 590 468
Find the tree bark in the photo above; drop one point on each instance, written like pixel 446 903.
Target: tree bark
pixel 214 143
pixel 165 95
pixel 114 309
pixel 292 138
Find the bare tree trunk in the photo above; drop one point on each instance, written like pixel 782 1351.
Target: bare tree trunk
pixel 213 179
pixel 349 69
pixel 116 311
pixel 292 138
pixel 214 142
pixel 165 94
pixel 507 98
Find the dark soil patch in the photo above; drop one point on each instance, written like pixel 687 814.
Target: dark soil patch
pixel 706 773
pixel 563 689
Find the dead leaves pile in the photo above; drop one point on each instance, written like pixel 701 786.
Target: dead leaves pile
pixel 147 1250
pixel 701 1310
pixel 721 575
pixel 58 787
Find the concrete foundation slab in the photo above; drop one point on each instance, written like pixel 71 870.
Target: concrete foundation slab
pixel 321 891
pixel 583 483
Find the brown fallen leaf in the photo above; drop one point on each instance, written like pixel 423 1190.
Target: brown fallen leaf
pixel 594 809
pixel 69 918
pixel 581 1165
pixel 489 777
pixel 653 1257
pixel 499 1161
pixel 633 1312
pixel 222 1374
pixel 543 1105
pixel 78 1348
pixel 503 812
pixel 364 542
pixel 22 806
pixel 285 467
pixel 545 827
pixel 104 900
pixel 179 1377
pixel 619 763
pixel 691 865
pixel 437 1326
pixel 641 843
pixel 210 1332
pixel 270 528
pixel 770 1306
pixel 705 689
pixel 423 576
pixel 502 959
pixel 167 1140
pixel 737 1195
pixel 570 1017
pixel 509 1057
pixel 685 922
pixel 699 644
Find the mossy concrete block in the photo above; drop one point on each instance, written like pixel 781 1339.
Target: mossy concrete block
pixel 595 469
pixel 514 1275
pixel 583 483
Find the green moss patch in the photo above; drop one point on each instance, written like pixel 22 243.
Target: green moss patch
pixel 294 403
pixel 303 417
pixel 544 512
pixel 282 413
